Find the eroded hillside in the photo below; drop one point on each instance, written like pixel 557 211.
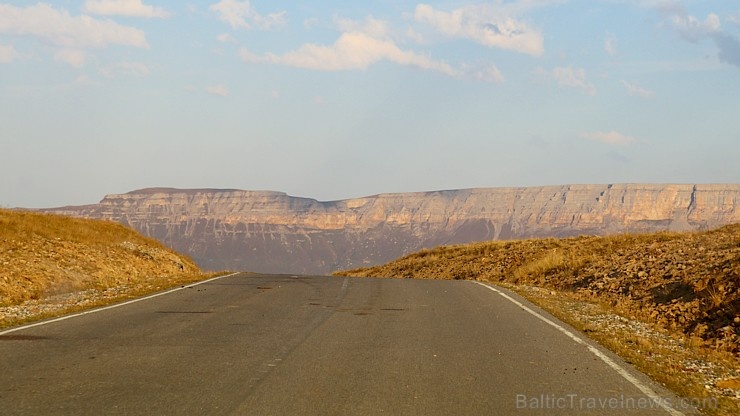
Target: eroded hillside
pixel 277 233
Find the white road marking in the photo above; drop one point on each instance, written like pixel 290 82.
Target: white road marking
pixel 105 308
pixel 649 392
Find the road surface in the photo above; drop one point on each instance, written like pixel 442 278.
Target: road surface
pixel 293 345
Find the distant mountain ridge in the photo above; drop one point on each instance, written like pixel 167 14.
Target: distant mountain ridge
pixel 268 231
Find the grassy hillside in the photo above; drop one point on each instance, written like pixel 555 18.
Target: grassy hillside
pixel 43 255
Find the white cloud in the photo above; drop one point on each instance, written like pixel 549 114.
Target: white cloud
pixel 225 38
pixel 375 28
pixel 130 8
pixel 611 138
pixel 219 90
pixel 362 44
pixel 734 18
pixel 610 44
pixel 58 28
pixel 352 51
pixel 568 77
pixel 414 35
pixel 79 82
pixel 573 78
pixel 136 69
pixel 665 6
pixel 636 90
pixel 485 25
pixel 311 23
pixel 241 14
pixel 485 73
pixel 694 29
pixel 82 81
pixel 252 58
pixel 8 54
pixel 73 57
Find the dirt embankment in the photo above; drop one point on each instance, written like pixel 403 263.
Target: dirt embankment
pixel 685 282
pixel 42 255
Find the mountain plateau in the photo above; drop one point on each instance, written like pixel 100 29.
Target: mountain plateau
pixel 265 231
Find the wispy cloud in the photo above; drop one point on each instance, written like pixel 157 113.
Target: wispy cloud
pixel 59 28
pixel 483 72
pixel 694 29
pixel 131 8
pixel 362 44
pixel 610 44
pixel 72 35
pixel 484 24
pixel 567 77
pixel 136 69
pixel 611 138
pixel 414 35
pixel 82 81
pixel 73 57
pixel 8 54
pixel 241 15
pixel 311 23
pixel 219 90
pixel 734 18
pixel 225 38
pixel 636 90
pixel 376 28
pixel 352 51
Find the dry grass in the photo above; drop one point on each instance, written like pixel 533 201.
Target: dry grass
pixel 43 255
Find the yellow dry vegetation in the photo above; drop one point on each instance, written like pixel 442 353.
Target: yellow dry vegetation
pixel 43 255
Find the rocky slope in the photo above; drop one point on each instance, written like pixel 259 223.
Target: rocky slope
pixel 274 232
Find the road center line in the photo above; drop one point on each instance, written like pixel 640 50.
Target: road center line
pixel 118 305
pixel 649 392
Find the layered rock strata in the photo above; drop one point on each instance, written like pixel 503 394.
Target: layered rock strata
pixel 274 232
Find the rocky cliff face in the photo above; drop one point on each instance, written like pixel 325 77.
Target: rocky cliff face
pixel 274 232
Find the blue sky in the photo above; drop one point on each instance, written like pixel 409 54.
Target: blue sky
pixel 337 99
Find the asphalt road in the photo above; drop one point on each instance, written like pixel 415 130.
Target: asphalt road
pixel 285 345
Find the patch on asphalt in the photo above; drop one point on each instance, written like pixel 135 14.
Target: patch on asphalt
pixel 22 338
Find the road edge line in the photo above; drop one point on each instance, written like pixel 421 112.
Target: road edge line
pixel 117 305
pixel 603 357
